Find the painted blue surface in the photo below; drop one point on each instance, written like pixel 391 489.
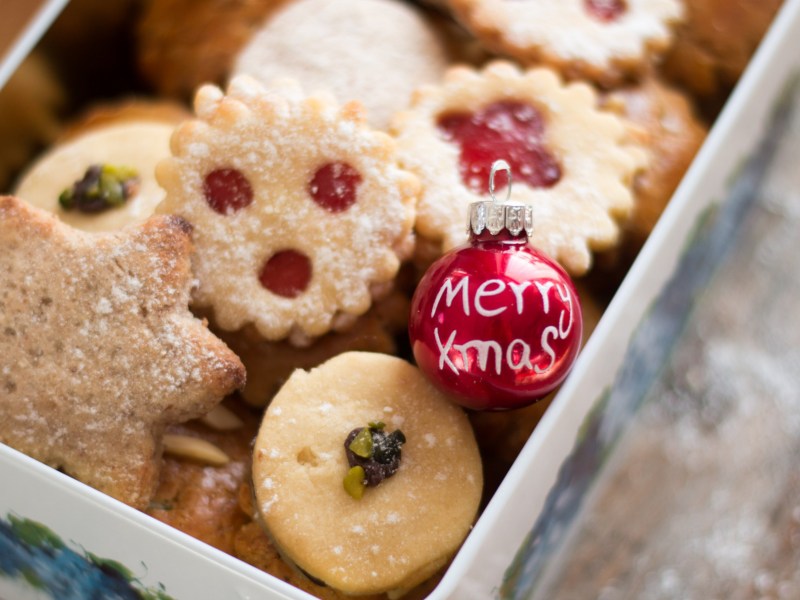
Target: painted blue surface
pixel 33 554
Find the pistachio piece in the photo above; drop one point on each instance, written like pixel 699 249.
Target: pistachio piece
pixel 102 187
pixel 354 482
pixel 362 443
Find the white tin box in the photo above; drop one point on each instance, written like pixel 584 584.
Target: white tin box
pixel 510 544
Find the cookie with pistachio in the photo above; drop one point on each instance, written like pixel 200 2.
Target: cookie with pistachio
pixel 365 475
pixel 98 349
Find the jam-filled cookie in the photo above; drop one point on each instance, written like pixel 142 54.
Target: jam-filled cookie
pixel 98 350
pixel 570 161
pixel 373 51
pixel 103 178
pixel 301 214
pixel 606 41
pixel 365 475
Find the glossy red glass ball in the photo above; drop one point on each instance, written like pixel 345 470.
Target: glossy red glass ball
pixel 496 324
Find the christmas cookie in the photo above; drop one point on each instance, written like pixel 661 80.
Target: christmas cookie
pixel 373 51
pixel 98 350
pixel 664 122
pixel 199 496
pixel 133 109
pixel 269 364
pixel 571 162
pixel 30 102
pixel 183 44
pixel 364 475
pixel 102 179
pixel 602 40
pixel 715 43
pixel 300 212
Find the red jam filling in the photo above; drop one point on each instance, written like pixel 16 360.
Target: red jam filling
pixel 334 185
pixel 287 273
pixel 227 191
pixel 508 130
pixel 606 10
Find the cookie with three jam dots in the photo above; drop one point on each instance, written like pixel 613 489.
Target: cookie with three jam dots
pixel 402 529
pixel 715 43
pixel 103 178
pixel 98 350
pixel 606 41
pixel 373 51
pixel 573 163
pixel 300 211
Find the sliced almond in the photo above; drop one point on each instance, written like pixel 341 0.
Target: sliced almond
pixel 194 448
pixel 222 419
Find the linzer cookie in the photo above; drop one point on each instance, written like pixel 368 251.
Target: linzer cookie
pixel 365 475
pixel 606 41
pixel 301 214
pixel 98 350
pixel 570 161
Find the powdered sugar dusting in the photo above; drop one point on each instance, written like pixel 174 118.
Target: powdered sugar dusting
pixel 277 144
pixel 103 342
pixel 374 51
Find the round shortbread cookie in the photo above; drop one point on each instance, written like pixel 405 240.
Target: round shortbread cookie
pixel 573 163
pixel 300 211
pixel 374 51
pixel 602 40
pixel 139 145
pixel 402 530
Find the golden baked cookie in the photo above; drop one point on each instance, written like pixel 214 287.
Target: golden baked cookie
pixel 664 122
pixel 269 364
pixel 30 103
pixel 400 531
pixel 301 214
pixel 571 162
pixel 131 148
pixel 202 499
pixel 715 43
pixel 133 108
pixel 183 44
pixel 606 41
pixel 98 350
pixel 373 51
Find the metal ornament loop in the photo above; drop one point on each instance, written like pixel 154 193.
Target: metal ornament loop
pixel 500 165
pixel 494 216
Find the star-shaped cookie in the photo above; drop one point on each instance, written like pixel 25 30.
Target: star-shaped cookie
pixel 98 350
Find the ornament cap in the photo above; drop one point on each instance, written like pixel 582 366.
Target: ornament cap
pixel 495 216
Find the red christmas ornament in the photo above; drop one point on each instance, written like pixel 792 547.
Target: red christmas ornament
pixel 495 323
